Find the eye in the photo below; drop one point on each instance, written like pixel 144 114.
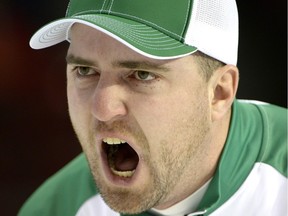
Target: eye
pixel 84 71
pixel 144 75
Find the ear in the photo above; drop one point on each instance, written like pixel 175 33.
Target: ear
pixel 224 87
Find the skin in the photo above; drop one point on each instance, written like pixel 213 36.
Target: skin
pixel 174 119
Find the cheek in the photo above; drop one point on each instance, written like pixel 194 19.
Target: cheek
pixel 73 101
pixel 163 118
pixel 157 116
pixel 79 99
pixel 79 106
pixel 73 108
pixel 79 112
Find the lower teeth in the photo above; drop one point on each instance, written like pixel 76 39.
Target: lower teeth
pixel 125 174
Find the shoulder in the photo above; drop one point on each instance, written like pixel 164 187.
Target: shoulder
pixel 271 120
pixel 253 163
pixel 63 193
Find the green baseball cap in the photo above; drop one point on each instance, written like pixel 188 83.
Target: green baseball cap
pixel 159 29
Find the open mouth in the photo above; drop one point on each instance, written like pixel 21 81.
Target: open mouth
pixel 122 159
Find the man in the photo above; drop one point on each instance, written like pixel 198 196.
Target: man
pixel 151 93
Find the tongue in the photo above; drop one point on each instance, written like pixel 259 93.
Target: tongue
pixel 125 159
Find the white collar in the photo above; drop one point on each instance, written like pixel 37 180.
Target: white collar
pixel 186 206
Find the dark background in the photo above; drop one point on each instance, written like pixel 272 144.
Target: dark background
pixel 36 137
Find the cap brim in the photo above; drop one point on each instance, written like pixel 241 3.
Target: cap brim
pixel 137 36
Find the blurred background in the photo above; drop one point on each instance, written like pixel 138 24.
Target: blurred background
pixel 36 136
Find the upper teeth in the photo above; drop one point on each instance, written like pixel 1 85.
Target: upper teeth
pixel 113 141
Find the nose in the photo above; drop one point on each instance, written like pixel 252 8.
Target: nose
pixel 108 102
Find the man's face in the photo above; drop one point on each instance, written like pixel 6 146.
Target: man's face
pixel 156 112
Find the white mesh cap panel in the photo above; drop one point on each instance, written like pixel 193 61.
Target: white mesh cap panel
pixel 213 29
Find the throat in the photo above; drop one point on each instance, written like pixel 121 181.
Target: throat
pixel 122 159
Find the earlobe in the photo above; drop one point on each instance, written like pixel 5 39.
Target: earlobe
pixel 225 84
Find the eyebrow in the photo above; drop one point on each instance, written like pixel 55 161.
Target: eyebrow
pixel 71 59
pixel 143 65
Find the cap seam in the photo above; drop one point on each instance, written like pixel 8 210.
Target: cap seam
pixel 111 6
pixel 68 8
pixel 186 19
pixel 103 5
